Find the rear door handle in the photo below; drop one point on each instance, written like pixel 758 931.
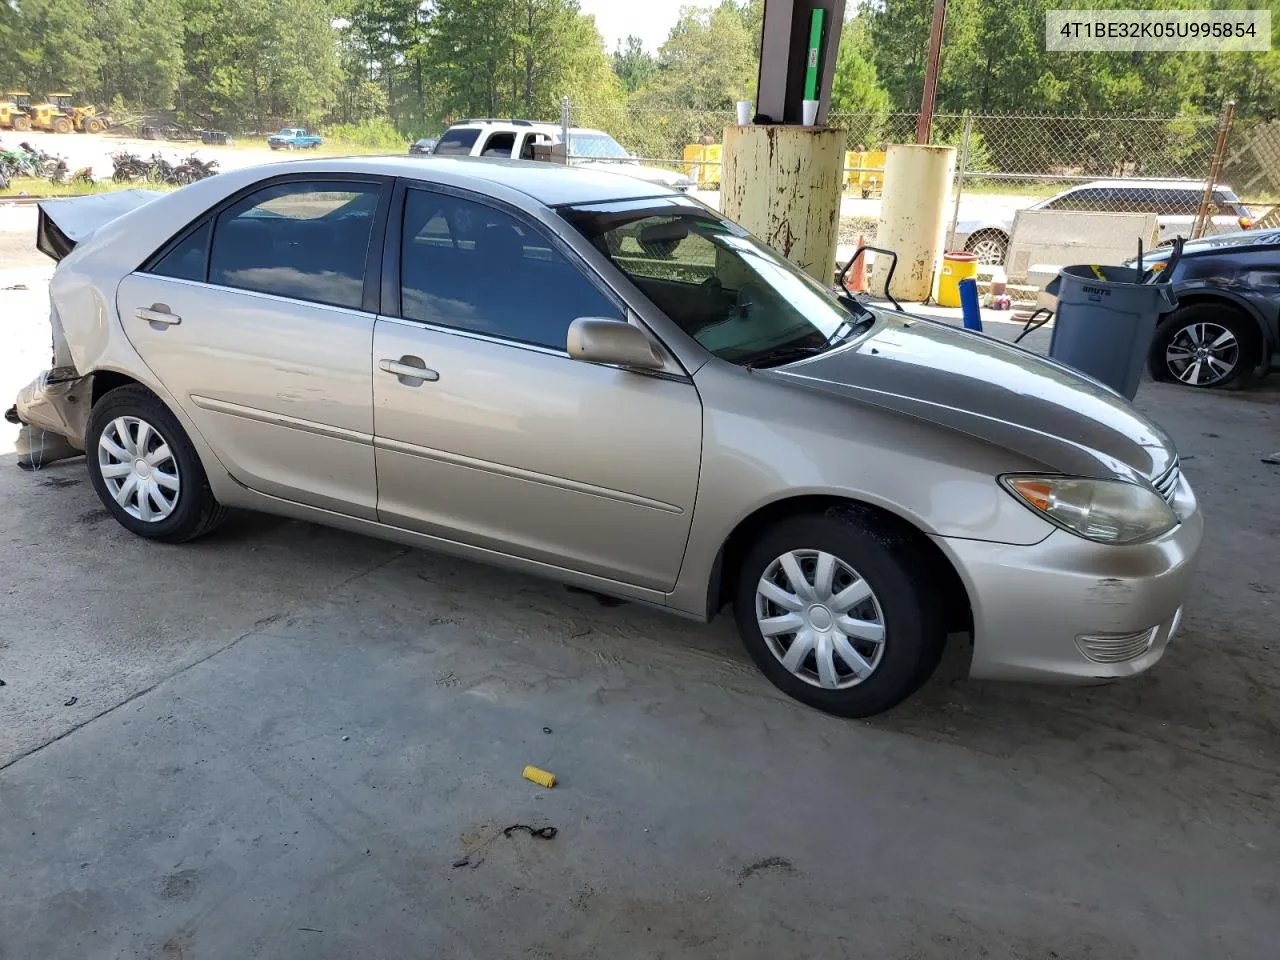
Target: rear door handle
pixel 411 370
pixel 159 313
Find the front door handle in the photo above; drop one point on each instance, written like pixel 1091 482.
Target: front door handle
pixel 411 371
pixel 158 313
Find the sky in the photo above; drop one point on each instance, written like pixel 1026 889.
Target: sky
pixel 650 20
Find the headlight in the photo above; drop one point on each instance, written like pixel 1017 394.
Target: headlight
pixel 1105 511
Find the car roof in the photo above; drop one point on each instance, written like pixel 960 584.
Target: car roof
pixel 1169 184
pixel 542 126
pixel 551 184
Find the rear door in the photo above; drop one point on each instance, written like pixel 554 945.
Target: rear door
pixel 259 321
pixel 505 442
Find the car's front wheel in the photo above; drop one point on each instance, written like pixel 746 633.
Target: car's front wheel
pixel 145 470
pixel 839 611
pixel 990 246
pixel 1205 345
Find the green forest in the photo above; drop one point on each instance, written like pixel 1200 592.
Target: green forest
pixel 391 69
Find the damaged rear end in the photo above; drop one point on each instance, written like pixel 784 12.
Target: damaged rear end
pixel 53 410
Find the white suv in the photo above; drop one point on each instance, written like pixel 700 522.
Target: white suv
pixel 515 140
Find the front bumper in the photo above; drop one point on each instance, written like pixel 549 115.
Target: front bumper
pixel 1038 609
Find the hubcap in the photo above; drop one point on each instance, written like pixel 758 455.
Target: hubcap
pixel 1202 354
pixel 139 469
pixel 820 619
pixel 988 250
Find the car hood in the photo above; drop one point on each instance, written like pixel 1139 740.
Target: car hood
pixel 668 178
pixel 992 390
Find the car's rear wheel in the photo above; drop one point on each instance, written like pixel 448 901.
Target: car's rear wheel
pixel 145 470
pixel 836 611
pixel 990 246
pixel 1205 345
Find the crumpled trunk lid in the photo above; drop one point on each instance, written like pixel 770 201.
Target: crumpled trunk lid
pixel 64 224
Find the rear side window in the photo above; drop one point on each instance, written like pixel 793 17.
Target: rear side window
pixel 457 143
pixel 1178 203
pixel 531 140
pixel 308 241
pixel 187 259
pixel 499 145
pixel 471 266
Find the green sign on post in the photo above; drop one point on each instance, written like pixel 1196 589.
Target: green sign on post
pixel 815 46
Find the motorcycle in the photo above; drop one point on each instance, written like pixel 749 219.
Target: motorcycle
pixel 193 168
pixel 128 167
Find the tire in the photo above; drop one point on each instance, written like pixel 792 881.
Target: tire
pixel 95 126
pixel 61 125
pixel 890 563
pixel 21 123
pixel 1197 326
pixel 991 246
pixel 194 510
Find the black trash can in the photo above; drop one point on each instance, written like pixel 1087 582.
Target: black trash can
pixel 1104 327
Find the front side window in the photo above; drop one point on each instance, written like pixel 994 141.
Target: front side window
pixel 457 143
pixel 471 266
pixel 305 240
pixel 731 293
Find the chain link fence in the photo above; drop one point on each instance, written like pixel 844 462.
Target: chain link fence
pixel 1004 163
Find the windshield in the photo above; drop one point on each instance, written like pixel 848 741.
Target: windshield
pixel 734 295
pixel 595 145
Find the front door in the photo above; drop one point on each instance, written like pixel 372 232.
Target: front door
pixel 503 441
pixel 256 323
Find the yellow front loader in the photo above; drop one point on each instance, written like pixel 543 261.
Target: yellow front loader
pixel 13 111
pixel 83 118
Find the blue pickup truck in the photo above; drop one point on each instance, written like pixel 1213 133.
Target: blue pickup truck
pixel 294 138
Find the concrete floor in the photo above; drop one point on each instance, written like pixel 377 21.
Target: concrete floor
pixel 283 738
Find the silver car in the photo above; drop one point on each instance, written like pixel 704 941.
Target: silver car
pixel 1175 202
pixel 586 377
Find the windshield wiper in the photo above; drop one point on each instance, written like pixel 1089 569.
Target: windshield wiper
pixel 782 355
pixel 849 329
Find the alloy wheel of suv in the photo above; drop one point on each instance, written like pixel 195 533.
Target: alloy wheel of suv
pixel 1205 345
pixel 1202 354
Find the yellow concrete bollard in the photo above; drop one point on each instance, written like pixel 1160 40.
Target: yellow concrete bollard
pixel 783 183
pixel 913 218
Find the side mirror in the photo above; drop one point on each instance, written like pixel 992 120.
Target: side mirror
pixel 613 342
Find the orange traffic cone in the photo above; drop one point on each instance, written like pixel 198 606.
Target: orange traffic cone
pixel 855 281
